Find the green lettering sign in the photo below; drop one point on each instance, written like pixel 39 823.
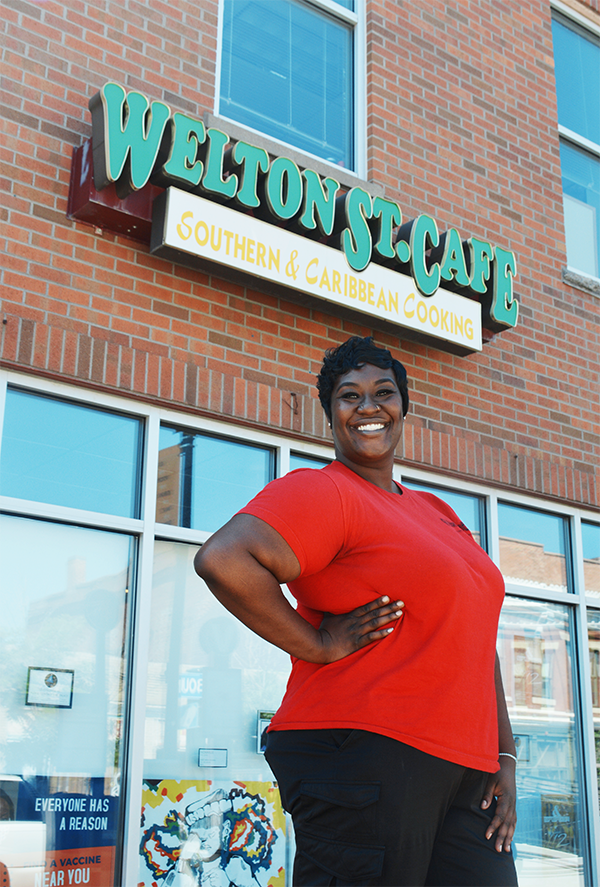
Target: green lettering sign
pixel 284 188
pixel 126 137
pixel 183 138
pixel 500 308
pixel 251 160
pixel 213 180
pixel 424 234
pixel 135 141
pixel 318 208
pixel 356 238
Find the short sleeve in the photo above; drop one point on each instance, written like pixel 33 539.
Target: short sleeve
pixel 305 508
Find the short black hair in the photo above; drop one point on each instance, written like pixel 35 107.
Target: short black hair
pixel 350 355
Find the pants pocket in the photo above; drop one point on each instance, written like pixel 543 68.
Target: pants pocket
pixel 335 830
pixel 321 862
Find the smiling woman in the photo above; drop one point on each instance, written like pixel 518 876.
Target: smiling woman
pixel 389 585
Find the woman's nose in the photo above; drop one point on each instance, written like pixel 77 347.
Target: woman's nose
pixel 367 403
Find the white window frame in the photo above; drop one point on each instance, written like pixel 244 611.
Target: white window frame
pixel 357 20
pixel 569 135
pixel 147 530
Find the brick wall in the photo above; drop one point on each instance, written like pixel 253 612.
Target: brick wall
pixel 461 123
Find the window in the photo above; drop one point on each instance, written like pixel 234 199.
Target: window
pixel 577 64
pixel 288 71
pixel 171 694
pixel 204 480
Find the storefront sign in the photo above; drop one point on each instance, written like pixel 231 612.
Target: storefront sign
pixel 197 226
pixel 136 142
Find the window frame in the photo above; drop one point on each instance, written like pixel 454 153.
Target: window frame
pixel 357 20
pixel 146 530
pixel 560 11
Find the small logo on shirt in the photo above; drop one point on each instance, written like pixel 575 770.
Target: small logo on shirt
pixel 459 526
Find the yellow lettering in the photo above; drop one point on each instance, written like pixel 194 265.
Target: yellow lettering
pixel 204 240
pixel 381 303
pixel 424 307
pixel 261 252
pixel 250 250
pixel 239 246
pixel 371 299
pixel 444 324
pixel 469 328
pixel 393 299
pixel 312 279
pixel 362 290
pixel 406 301
pixel 228 236
pixel 324 281
pixel 458 324
pixel 352 282
pixel 216 246
pixel 273 259
pixel 183 222
pixel 335 281
pixel 433 311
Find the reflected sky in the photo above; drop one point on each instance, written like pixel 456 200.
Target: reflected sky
pixel 63 453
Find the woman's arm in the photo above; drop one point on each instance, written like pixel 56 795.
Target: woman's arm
pixel 244 564
pixel 502 784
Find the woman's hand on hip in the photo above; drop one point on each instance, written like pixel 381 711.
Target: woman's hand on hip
pixel 347 632
pixel 502 785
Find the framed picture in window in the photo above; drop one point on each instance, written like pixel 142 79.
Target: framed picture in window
pixel 50 687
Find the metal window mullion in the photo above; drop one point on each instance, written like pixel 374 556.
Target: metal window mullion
pixel 283 460
pixel 359 91
pixel 140 656
pixel 589 772
pixel 3 385
pixel 579 140
pixel 493 528
pixel 570 13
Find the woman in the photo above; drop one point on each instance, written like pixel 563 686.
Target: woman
pixel 392 747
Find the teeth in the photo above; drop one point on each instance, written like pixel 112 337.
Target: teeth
pixel 374 426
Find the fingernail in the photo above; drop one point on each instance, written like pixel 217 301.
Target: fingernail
pixel 487 837
pixel 385 599
pixel 389 629
pixel 484 804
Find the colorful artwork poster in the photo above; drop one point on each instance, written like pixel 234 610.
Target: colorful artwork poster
pixel 209 834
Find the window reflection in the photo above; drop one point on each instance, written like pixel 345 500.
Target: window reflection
pixel 594 642
pixel 66 454
pixel 590 537
pixel 287 71
pixel 211 686
pixel 533 547
pixel 63 597
pixel 203 480
pixel 534 645
pixel 470 509
pixel 299 460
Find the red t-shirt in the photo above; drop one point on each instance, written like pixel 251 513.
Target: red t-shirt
pixel 430 683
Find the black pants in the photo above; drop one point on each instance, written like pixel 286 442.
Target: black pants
pixel 369 810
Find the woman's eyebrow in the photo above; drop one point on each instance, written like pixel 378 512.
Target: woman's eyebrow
pixel 386 379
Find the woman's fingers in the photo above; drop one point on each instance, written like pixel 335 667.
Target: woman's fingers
pixel 377 614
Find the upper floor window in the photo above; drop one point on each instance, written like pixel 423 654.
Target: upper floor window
pixel 577 63
pixel 288 71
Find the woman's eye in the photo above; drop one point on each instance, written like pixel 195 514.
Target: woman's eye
pixel 384 392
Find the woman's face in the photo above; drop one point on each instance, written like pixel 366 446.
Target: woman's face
pixel 366 416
